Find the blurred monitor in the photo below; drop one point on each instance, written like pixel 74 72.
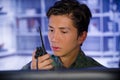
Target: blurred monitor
pixel 82 74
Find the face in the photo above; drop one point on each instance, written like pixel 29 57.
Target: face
pixel 62 36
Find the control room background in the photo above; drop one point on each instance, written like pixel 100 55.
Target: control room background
pixel 19 36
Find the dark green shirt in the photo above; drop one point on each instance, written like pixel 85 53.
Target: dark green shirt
pixel 82 61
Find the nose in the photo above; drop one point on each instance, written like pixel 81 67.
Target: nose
pixel 55 37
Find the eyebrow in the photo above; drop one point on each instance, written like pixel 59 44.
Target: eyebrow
pixel 50 26
pixel 62 28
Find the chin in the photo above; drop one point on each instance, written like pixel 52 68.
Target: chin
pixel 58 54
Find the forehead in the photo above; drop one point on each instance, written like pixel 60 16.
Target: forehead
pixel 60 21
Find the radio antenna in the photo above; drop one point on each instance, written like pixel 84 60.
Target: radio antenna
pixel 42 40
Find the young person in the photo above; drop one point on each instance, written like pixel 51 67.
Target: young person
pixel 68 27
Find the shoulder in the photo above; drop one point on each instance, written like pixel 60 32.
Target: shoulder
pixel 92 62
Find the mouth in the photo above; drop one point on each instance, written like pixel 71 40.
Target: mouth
pixel 54 48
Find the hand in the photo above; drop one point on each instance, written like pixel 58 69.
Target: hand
pixel 44 62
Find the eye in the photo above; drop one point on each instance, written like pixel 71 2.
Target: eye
pixel 64 32
pixel 50 30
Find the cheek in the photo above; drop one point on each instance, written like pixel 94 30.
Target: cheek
pixel 69 41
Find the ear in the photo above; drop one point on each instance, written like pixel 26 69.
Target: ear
pixel 82 37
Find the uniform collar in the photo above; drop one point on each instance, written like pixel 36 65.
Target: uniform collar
pixel 80 62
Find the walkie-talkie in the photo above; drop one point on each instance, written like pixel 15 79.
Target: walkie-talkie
pixel 42 51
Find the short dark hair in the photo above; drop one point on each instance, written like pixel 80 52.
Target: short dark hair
pixel 78 12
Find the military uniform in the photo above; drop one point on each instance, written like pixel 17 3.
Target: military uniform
pixel 82 61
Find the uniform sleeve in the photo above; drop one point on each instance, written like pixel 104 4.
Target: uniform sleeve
pixel 27 66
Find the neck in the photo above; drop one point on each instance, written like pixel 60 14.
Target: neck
pixel 69 59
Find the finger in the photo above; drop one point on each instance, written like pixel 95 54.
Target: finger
pixel 47 62
pixel 48 67
pixel 33 55
pixel 44 57
pixel 33 63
